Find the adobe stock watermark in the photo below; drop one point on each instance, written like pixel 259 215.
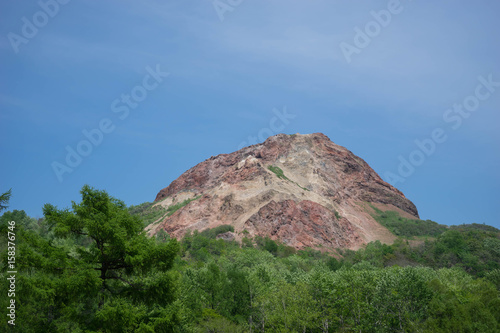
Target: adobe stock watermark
pixel 121 108
pixel 454 117
pixel 373 28
pixel 276 125
pixel 11 271
pixel 30 27
pixel 223 6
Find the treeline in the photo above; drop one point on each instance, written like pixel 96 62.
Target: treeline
pixel 450 284
pixel 92 269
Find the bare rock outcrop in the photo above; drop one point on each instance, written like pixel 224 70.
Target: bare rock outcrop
pixel 303 190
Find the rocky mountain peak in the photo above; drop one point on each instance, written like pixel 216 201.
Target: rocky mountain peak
pixel 303 190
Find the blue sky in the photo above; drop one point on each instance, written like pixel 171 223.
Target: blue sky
pixel 231 66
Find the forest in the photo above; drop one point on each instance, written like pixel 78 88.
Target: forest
pixel 92 268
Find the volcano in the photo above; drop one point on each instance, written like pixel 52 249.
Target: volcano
pixel 303 190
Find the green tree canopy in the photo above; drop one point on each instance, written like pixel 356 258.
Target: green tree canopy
pixel 111 248
pixel 119 247
pixel 4 200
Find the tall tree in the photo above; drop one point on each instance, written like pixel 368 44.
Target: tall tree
pixel 129 266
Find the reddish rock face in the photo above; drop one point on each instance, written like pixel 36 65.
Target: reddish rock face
pixel 301 224
pixel 321 178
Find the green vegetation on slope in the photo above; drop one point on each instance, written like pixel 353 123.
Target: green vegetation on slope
pixel 405 227
pixel 278 172
pixel 281 175
pixel 213 233
pixel 172 209
pixel 147 213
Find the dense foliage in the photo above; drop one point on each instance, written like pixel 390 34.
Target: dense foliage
pixel 266 287
pixel 92 269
